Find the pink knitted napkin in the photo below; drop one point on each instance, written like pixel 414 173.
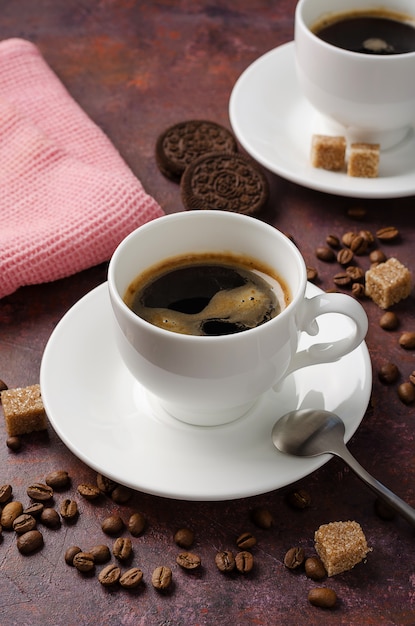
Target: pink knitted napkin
pixel 67 198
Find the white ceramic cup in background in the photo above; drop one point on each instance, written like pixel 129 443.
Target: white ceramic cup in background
pixel 211 380
pixel 371 96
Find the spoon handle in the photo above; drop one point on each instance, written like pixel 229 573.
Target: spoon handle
pixel 386 494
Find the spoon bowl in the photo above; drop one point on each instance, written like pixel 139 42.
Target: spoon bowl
pixel 312 432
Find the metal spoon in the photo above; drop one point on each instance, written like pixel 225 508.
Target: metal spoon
pixel 311 432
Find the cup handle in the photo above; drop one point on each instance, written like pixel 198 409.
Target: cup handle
pixel 312 308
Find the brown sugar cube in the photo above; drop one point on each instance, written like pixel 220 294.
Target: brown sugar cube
pixel 328 153
pixel 364 160
pixel 388 283
pixel 340 546
pixel 23 410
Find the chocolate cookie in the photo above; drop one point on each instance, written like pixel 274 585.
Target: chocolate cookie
pixel 180 144
pixel 228 182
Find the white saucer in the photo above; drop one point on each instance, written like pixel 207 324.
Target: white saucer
pixel 274 123
pixel 110 422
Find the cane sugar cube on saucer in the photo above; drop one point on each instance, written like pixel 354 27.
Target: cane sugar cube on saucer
pixel 340 546
pixel 388 283
pixel 23 410
pixel 328 152
pixel 363 160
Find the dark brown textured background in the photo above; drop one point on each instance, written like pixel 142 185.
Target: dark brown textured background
pixel 136 67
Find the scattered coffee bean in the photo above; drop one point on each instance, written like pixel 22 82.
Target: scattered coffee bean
pixel 6 492
pixel 388 233
pixel 389 321
pixel 246 540
pixel 383 510
pixel 24 523
pixel 299 499
pixel 359 245
pixel 325 254
pixel 294 557
pixel 161 577
pixel 106 485
pixel 244 562
pixel 131 578
pixel 356 213
pixel 184 538
pixel 136 524
pixel 112 525
pixel 101 554
pixel 323 597
pixel 110 575
pixel 3 387
pixel 121 494
pixel 356 273
pixel 89 491
pixel 58 479
pixel 345 256
pixel 40 492
pixel 34 509
pixel 188 560
pixel 68 509
pixel 14 443
pixel 122 548
pixel 406 393
pixel 412 377
pixel 10 512
pixel 358 290
pixel 348 237
pixel 388 373
pixel 262 518
pixel 50 518
pixel 368 236
pixel 342 279
pixel 377 256
pixel 314 568
pixel 312 274
pixel 70 553
pixel 333 241
pixel 30 541
pixel 83 561
pixel 407 340
pixel 225 561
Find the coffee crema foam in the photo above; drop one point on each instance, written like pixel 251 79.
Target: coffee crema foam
pixel 207 294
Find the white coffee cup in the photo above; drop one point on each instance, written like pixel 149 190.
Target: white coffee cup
pixel 371 96
pixel 213 380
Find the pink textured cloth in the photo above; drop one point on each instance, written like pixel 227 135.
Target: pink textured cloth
pixel 67 198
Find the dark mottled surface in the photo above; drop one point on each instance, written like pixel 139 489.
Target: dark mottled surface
pixel 136 67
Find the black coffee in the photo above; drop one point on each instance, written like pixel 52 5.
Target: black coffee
pixel 207 295
pixel 375 32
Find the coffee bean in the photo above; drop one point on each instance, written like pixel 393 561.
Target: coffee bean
pixel 389 321
pixel 407 340
pixel 225 561
pixel 368 236
pixel 40 492
pixel 244 562
pixel 412 377
pixel 359 245
pixel 34 509
pixel 161 577
pixel 406 393
pixel 312 274
pixel 110 575
pixel 188 560
pixel 342 279
pixel 383 510
pixel 356 213
pixel 388 373
pixel 24 523
pixel 101 554
pixel 122 548
pixel 131 578
pixel 58 479
pixel 70 553
pixel 121 494
pixel 106 485
pixel 333 241
pixel 345 256
pixel 84 561
pixel 262 518
pixel 184 537
pixel 29 542
pixel 246 540
pixel 3 387
pixel 388 233
pixel 314 568
pixel 356 273
pixel 136 524
pixel 50 518
pixel 377 256
pixel 6 492
pixel 299 498
pixel 358 290
pixel 323 597
pixel 88 491
pixel 325 254
pixel 10 512
pixel 68 509
pixel 14 443
pixel 112 525
pixel 294 557
pixel 348 238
